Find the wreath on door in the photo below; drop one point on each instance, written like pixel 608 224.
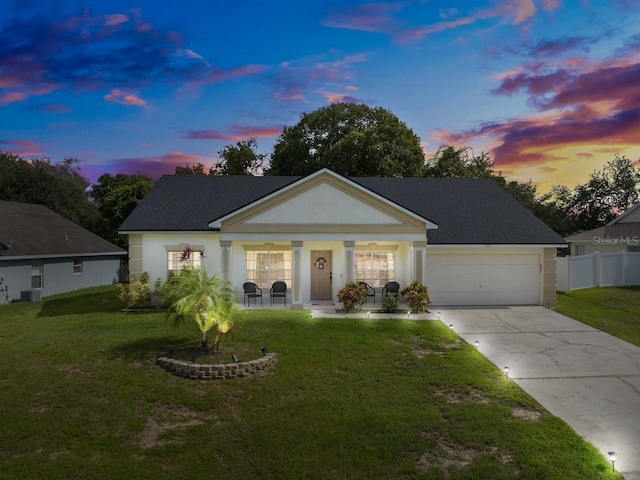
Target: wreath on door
pixel 321 263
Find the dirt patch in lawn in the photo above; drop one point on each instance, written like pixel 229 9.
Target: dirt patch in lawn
pixel 164 421
pixel 450 456
pixel 472 395
pixel 526 413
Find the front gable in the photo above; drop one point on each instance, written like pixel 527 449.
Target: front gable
pixel 325 203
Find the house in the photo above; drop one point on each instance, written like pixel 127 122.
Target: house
pixel 43 253
pixel 622 234
pixel 468 240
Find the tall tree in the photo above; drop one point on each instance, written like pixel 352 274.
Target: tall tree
pixel 196 169
pixel 451 162
pixel 607 193
pixel 58 186
pixel 350 139
pixel 115 199
pixel 240 159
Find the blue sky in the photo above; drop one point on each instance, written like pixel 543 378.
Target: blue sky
pixel 551 88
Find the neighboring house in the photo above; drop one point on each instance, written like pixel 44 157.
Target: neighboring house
pixel 468 240
pixel 42 253
pixel 622 234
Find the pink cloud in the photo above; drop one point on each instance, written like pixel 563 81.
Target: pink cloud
pixel 26 148
pixel 371 17
pixel 154 166
pixel 235 133
pixel 12 97
pixel 584 108
pixel 295 80
pixel 333 97
pixel 124 98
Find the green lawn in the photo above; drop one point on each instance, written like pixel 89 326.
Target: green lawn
pixel 618 307
pixel 349 398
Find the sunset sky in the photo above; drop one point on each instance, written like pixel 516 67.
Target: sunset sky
pixel 551 88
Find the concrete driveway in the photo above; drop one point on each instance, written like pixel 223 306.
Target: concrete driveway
pixel 582 375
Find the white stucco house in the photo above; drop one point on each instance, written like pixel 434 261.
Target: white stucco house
pixel 622 234
pixel 468 240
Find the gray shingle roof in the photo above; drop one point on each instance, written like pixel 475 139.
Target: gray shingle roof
pixel 34 230
pixel 615 230
pixel 467 211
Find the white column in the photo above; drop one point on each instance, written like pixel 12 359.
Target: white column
pixel 225 260
pixel 419 262
pixel 349 261
pixel 296 274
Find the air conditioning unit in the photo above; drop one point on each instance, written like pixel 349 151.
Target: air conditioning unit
pixel 30 295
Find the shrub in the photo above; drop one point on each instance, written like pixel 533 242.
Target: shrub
pixel 417 296
pixel 137 293
pixel 389 303
pixel 352 296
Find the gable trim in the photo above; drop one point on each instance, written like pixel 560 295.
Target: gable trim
pixel 294 188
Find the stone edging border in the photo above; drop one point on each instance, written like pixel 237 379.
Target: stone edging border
pixel 218 371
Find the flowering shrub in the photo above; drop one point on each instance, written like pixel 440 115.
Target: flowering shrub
pixel 417 296
pixel 352 295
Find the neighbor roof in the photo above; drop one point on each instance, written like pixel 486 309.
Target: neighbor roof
pixel 35 231
pixel 616 230
pixel 467 211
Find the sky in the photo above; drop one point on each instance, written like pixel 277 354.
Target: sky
pixel 550 88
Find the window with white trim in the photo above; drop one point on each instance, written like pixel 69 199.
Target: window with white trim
pixel 77 266
pixel 267 266
pixel 37 274
pixel 375 267
pixel 579 249
pixel 176 262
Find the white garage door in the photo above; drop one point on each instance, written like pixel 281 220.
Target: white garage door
pixel 483 279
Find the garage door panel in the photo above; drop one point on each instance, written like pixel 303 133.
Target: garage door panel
pixel 484 279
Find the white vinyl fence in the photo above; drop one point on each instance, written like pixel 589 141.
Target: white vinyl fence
pixel 598 270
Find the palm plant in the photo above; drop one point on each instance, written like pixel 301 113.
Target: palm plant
pixel 193 295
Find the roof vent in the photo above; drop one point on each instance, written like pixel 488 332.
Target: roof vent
pixel 4 247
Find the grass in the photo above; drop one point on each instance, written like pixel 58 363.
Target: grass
pixel 618 307
pixel 349 398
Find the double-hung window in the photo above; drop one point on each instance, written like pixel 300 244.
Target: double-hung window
pixel 77 266
pixel 176 261
pixel 376 267
pixel 267 266
pixel 37 274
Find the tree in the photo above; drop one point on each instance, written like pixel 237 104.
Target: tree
pixel 449 162
pixel 197 169
pixel 350 139
pixel 239 159
pixel 57 186
pixel 208 301
pixel 608 193
pixel 115 198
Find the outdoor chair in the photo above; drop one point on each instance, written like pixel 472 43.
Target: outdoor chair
pixel 391 288
pixel 251 290
pixel 278 290
pixel 371 292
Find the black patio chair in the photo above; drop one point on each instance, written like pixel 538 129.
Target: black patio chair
pixel 371 292
pixel 278 290
pixel 391 288
pixel 251 290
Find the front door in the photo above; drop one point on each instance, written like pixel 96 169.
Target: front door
pixel 321 275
